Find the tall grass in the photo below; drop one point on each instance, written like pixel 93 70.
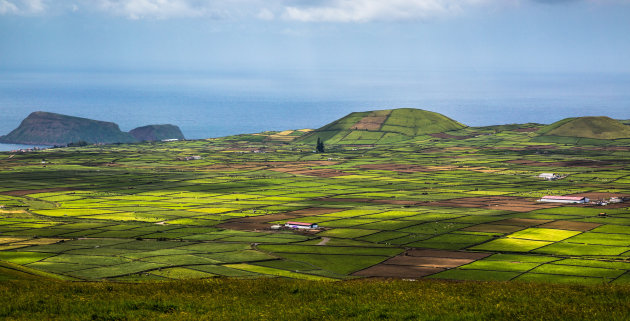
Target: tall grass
pixel 282 299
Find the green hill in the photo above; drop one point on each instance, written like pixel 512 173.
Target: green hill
pixel 382 127
pixel 587 127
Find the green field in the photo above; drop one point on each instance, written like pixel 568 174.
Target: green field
pixel 134 212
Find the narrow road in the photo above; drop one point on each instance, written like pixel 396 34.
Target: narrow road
pixel 323 241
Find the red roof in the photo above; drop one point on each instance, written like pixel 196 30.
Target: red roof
pixel 564 198
pixel 300 223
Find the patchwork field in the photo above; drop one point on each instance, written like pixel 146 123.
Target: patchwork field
pixel 461 205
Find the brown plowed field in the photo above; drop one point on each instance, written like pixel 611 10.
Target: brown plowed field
pixel 401 168
pixel 448 136
pixel 438 262
pixel 261 222
pixel 574 163
pixel 370 123
pixel 447 254
pixel 416 263
pixel 525 222
pixel 572 226
pixel 516 204
pixel 398 271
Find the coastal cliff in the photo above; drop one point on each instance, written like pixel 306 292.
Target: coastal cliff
pixel 44 128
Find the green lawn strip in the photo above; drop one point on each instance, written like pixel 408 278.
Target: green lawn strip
pixel 223 271
pixel 339 264
pixel 23 258
pixel 119 234
pixel 238 256
pixel 432 217
pixel 213 247
pixel 382 236
pixel 510 245
pixel 116 270
pixel 349 213
pixel 562 248
pixel 494 228
pixel 492 265
pixel 142 254
pixel 339 250
pixel 165 235
pixel 601 239
pixel 476 275
pixel 181 273
pixel 73 212
pixel 552 278
pixel 147 245
pixel 342 242
pixel 521 258
pixel 610 228
pixel 543 234
pixel 179 259
pixel 61 267
pixel 434 228
pixel 346 233
pixel 277 272
pixel 28 271
pixel 260 239
pixel 409 238
pixel 553 268
pixel 475 219
pixel 87 259
pixel 596 263
pixel 7 274
pixel 390 215
pixel 450 241
pixel 287 265
pixel 388 225
pixel 347 222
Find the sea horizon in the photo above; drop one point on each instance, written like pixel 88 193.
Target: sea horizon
pixel 222 103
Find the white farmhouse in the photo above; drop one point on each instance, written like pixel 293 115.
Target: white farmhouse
pixel 301 226
pixel 565 199
pixel 548 176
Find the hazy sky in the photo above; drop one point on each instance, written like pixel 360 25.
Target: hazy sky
pixel 432 35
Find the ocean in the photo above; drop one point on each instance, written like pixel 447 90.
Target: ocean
pixel 220 103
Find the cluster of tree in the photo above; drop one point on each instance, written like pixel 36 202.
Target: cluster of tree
pixel 78 144
pixel 320 146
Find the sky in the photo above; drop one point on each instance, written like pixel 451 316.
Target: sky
pixel 513 36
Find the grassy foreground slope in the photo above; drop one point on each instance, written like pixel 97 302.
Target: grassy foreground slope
pixel 588 127
pixel 382 127
pixel 276 299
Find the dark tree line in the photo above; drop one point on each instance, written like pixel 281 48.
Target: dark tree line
pixel 320 146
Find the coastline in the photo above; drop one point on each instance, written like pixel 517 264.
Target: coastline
pixel 17 147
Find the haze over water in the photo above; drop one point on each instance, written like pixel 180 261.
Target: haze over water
pixel 213 104
pixel 224 67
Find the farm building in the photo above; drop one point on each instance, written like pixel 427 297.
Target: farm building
pixel 565 199
pixel 300 225
pixel 548 176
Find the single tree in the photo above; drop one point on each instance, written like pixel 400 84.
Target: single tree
pixel 320 146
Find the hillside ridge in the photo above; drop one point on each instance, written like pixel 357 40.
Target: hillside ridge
pixel 382 127
pixel 46 128
pixel 598 127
